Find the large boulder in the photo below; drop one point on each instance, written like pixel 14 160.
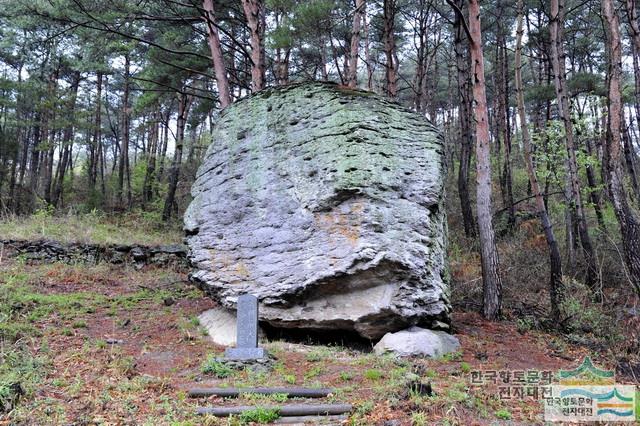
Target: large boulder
pixel 327 204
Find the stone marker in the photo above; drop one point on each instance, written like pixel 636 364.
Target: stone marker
pixel 247 326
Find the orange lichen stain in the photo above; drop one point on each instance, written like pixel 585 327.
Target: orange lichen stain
pixel 342 226
pixel 241 270
pixel 228 267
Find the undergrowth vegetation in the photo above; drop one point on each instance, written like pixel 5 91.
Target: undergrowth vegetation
pixel 93 227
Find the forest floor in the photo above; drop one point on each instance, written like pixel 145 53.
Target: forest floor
pixel 107 344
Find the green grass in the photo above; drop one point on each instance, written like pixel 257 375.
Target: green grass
pixel 419 419
pixel 503 414
pixel 372 374
pixel 258 398
pixel 79 324
pixel 94 228
pixel 259 415
pixel 346 376
pixel 212 366
pixel 314 372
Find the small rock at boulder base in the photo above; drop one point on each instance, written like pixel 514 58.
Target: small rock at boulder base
pixel 417 341
pixel 326 203
pixel 221 326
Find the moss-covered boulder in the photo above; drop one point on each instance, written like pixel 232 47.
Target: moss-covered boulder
pixel 327 204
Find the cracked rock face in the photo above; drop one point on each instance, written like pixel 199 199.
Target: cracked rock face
pixel 327 204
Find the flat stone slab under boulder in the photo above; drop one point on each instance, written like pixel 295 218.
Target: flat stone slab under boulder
pixel 327 204
pixel 417 341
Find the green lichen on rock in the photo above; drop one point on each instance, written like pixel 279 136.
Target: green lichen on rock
pixel 326 203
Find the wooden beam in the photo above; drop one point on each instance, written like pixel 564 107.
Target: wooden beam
pixel 235 392
pixel 283 410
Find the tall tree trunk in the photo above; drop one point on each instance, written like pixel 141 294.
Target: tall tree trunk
pixel 222 81
pixel 174 174
pixel 464 114
pixel 96 147
pixel 254 11
pixel 388 36
pixel 165 143
pixel 367 53
pixel 492 281
pixel 123 165
pixel 52 132
pixel 634 30
pixel 630 158
pixel 421 44
pixel 506 136
pixel 358 14
pixel 150 174
pixel 556 288
pixel 558 59
pixel 97 134
pixel 19 140
pixel 629 224
pixel 67 139
pixel 36 152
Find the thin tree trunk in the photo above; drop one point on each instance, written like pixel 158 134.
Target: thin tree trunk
pixel 358 14
pixel 222 81
pixel 492 282
pixel 149 177
pixel 505 113
pixel 36 153
pixel 67 139
pixel 48 158
pixel 556 288
pixel 558 58
pixel 634 30
pixel 165 143
pixel 630 158
pixel 123 166
pixel 629 224
pixel 174 176
pixel 464 115
pixel 96 148
pixel 367 53
pixel 388 36
pixel 420 43
pixel 254 12
pixel 13 203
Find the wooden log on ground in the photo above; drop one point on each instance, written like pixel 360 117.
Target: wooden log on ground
pixel 234 392
pixel 283 410
pixel 316 420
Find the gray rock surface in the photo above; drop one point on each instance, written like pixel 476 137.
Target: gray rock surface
pixel 417 341
pixel 327 204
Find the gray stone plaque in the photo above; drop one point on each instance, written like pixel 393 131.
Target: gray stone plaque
pixel 247 338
